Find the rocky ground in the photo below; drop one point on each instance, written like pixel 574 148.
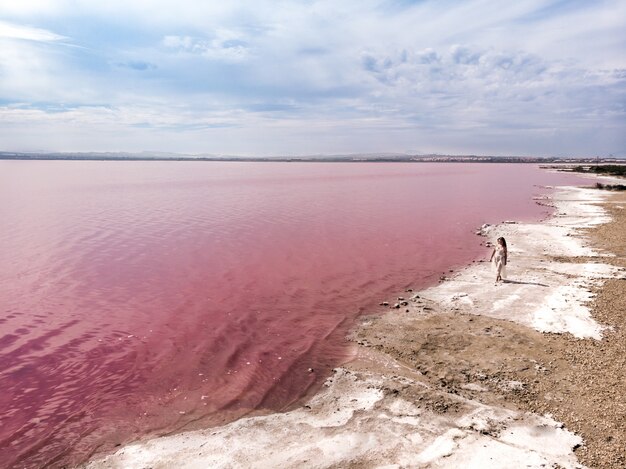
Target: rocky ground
pixel 597 370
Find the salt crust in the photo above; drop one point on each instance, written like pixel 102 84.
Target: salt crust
pixel 353 420
pixel 543 293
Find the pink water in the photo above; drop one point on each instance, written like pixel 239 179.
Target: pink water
pixel 140 297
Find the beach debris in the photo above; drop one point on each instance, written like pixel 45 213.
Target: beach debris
pixel 482 231
pixel 396 306
pixel 310 370
pixel 384 303
pixel 400 298
pixel 409 290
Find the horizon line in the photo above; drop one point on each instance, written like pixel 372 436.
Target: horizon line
pixel 153 154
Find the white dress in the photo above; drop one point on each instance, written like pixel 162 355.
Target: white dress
pixel 498 261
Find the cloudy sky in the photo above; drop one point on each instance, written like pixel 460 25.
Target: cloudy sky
pixel 307 77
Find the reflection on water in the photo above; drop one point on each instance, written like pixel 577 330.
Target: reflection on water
pixel 140 297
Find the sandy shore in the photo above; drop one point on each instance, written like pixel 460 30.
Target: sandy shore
pixel 528 373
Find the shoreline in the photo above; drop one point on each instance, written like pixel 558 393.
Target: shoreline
pixel 449 377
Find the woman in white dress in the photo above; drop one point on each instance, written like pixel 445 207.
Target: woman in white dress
pixel 499 258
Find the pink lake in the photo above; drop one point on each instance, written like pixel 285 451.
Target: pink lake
pixel 144 297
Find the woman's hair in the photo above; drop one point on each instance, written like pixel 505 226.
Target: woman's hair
pixel 502 241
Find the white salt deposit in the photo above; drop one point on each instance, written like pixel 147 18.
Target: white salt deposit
pixel 540 292
pixel 377 433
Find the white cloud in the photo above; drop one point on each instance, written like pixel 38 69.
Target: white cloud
pixel 225 45
pixel 23 8
pixel 378 74
pixel 17 31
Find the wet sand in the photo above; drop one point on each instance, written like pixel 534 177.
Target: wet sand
pixel 467 373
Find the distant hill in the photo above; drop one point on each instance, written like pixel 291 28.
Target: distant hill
pixel 360 157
